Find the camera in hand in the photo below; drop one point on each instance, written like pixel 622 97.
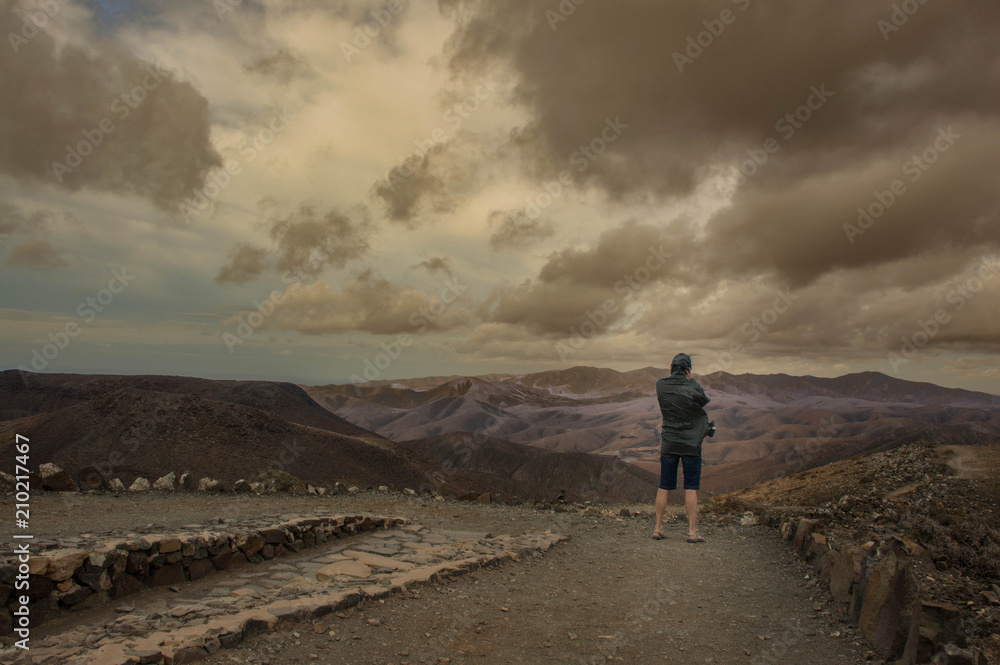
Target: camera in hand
pixel 711 429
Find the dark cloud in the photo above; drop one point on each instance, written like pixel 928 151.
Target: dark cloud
pixel 516 230
pixel 305 243
pixel 246 263
pixel 576 281
pixel 685 128
pixel 155 139
pixel 308 241
pixel 36 255
pixel 371 304
pixel 435 265
pixel 415 185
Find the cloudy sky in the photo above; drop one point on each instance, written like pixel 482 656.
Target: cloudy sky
pixel 313 190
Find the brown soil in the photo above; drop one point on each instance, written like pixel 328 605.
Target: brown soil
pixel 609 593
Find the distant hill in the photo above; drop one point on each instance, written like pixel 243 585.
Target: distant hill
pixel 768 425
pixel 131 432
pixel 513 469
pixel 28 393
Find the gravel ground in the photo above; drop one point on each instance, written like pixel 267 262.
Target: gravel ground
pixel 609 593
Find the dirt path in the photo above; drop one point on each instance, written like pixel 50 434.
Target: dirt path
pixel 972 462
pixel 610 593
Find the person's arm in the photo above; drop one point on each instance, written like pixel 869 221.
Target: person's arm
pixel 699 395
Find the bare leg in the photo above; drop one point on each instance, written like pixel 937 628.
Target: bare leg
pixel 691 504
pixel 661 507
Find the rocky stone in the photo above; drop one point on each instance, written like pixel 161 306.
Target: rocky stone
pixel 200 568
pixel 167 483
pixel 167 575
pixel 952 654
pixel 885 614
pixel 168 545
pixel 125 585
pixel 274 536
pixel 845 573
pixel 55 479
pixel 802 531
pixel 349 568
pixel 253 544
pixel 242 487
pixel 61 564
pixel 817 546
pixel 116 485
pixel 484 498
pixel 72 593
pixel 931 625
pixel 99 581
pixel 140 485
pixel 187 482
pixel 7 482
pixel 209 485
pixel 91 479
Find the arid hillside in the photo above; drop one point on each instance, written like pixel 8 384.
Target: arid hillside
pixel 514 469
pixel 767 425
pixel 127 433
pixel 29 393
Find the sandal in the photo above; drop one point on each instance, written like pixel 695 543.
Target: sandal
pixel 696 539
pixel 657 535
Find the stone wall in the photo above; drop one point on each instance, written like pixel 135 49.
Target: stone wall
pixel 62 579
pixel 878 586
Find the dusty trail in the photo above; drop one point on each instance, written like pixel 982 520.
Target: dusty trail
pixel 609 593
pixel 972 462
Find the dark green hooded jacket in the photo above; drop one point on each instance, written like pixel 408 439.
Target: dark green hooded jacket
pixel 685 422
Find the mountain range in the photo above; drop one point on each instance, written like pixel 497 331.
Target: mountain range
pixel 768 425
pixel 584 433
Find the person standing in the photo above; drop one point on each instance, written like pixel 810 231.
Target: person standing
pixel 685 426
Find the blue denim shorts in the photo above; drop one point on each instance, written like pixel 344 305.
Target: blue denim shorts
pixel 668 471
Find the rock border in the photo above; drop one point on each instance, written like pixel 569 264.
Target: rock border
pixel 878 588
pixel 62 579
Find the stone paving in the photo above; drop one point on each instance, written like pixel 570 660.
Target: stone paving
pixel 195 623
